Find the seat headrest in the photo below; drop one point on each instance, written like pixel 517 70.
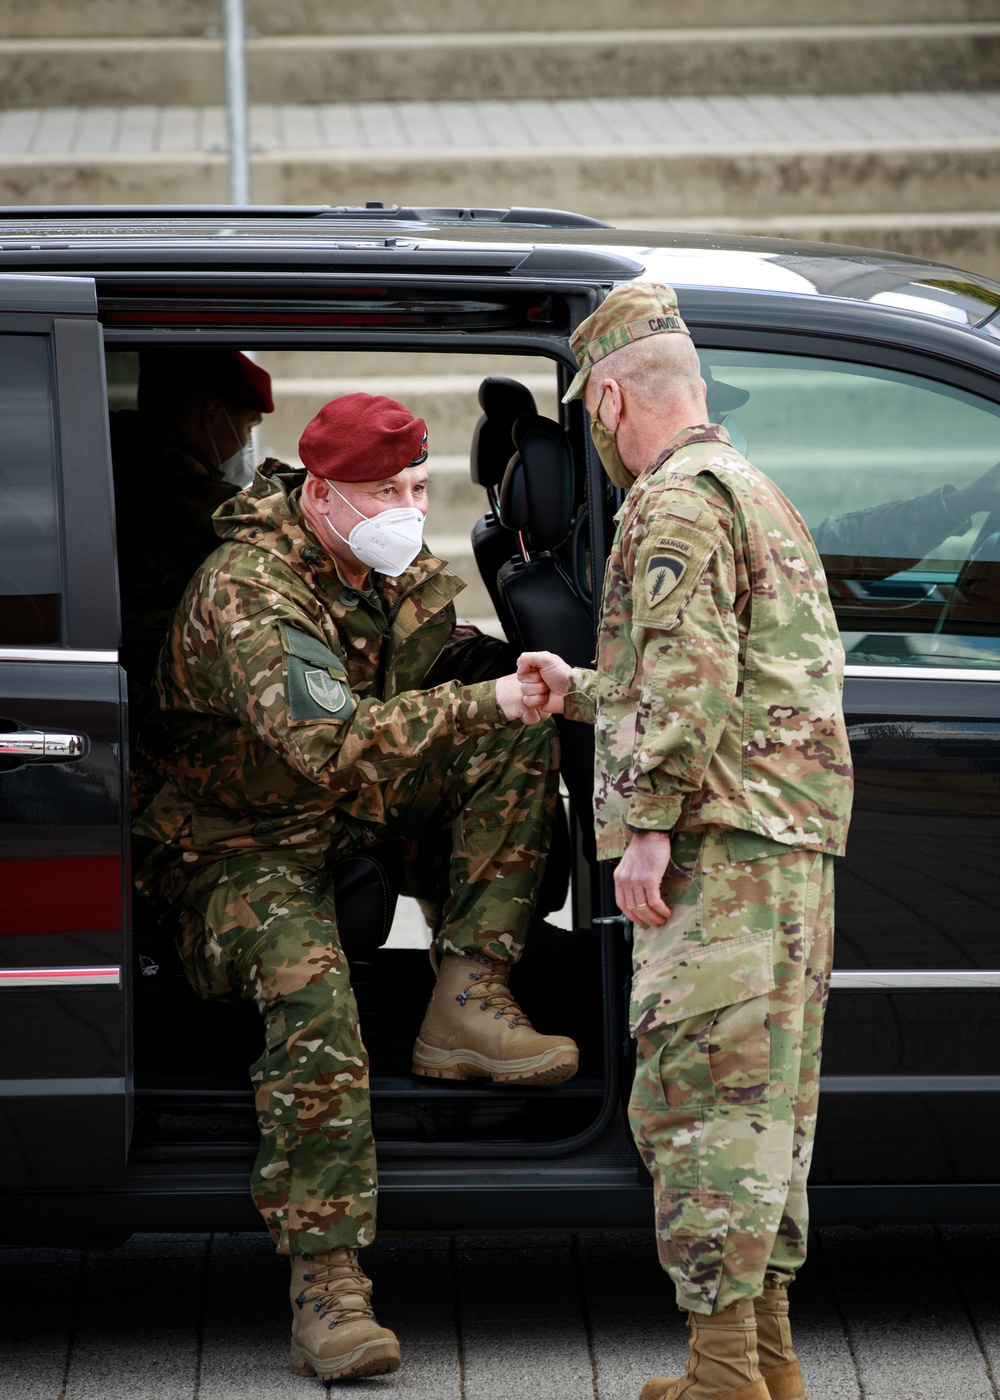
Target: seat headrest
pixel 536 496
pixel 503 401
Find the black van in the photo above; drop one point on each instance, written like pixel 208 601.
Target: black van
pixel 124 1100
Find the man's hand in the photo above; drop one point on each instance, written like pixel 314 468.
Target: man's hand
pixel 544 680
pixel 513 704
pixel 981 494
pixel 639 875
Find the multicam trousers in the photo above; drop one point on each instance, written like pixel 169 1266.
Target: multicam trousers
pixel 727 1012
pixel 264 925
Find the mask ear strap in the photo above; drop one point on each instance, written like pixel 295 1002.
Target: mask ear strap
pixel 240 446
pixel 600 401
pixel 215 449
pixel 346 503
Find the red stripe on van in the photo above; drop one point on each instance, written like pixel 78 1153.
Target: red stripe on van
pixel 78 894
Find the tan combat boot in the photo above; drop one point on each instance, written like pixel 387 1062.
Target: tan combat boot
pixel 722 1364
pixel 334 1333
pixel 778 1363
pixel 474 1029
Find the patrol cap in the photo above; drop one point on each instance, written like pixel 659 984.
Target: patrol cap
pixel 182 377
pixel 628 313
pixel 362 437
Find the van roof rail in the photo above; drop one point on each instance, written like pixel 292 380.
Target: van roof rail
pixel 373 211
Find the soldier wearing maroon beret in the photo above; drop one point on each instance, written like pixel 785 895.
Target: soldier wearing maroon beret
pixel 302 711
pixel 188 447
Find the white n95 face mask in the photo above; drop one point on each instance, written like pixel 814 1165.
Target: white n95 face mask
pixel 389 541
pixel 238 469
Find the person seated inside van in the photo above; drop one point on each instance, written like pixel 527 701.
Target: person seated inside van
pixel 185 449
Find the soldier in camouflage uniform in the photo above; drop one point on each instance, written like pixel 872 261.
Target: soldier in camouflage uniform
pixel 293 723
pixel 723 789
pixel 186 446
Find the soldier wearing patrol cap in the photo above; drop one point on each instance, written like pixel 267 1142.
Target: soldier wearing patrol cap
pixel 723 791
pixel 293 721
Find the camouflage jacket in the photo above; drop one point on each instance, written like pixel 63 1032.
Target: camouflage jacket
pixel 717 694
pixel 284 699
pixel 153 463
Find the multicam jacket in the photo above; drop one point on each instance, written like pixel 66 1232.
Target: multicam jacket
pixel 717 693
pixel 284 699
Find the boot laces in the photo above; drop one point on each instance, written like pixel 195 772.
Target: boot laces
pixel 491 989
pixel 341 1287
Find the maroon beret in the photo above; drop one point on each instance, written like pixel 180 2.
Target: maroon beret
pixel 362 437
pixel 251 385
pixel 180 377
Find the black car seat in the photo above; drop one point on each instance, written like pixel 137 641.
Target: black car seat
pixel 543 596
pixel 503 402
pixel 536 507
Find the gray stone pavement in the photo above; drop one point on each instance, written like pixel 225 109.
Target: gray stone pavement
pixel 666 124
pixel 887 1314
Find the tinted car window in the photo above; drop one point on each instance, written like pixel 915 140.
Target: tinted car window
pixel 30 565
pixel 869 455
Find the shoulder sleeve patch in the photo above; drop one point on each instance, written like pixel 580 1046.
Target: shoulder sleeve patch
pixel 316 679
pixel 670 562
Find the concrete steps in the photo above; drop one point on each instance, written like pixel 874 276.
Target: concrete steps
pixel 446 398
pixel 915 172
pixel 863 121
pixel 197 19
pixel 436 67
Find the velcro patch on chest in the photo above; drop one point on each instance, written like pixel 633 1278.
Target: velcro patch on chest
pixel 683 511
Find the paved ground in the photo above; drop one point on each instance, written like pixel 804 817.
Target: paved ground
pixel 887 1314
pixel 758 122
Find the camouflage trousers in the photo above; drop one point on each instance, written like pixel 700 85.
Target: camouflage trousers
pixel 264 926
pixel 727 1011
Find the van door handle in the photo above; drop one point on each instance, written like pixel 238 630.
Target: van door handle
pixel 29 744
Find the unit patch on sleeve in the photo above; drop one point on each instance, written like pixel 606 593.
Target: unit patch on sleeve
pixel 315 679
pixel 670 561
pixel 329 694
pixel 663 573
